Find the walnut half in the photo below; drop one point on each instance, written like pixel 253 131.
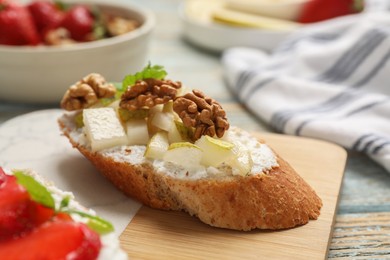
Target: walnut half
pixel 87 92
pixel 117 25
pixel 201 112
pixel 148 93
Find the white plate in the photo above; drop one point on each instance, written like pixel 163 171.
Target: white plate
pixel 34 141
pixel 202 32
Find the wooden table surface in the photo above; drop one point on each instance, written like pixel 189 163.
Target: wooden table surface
pixel 362 229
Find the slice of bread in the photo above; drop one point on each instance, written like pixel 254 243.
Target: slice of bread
pixel 272 196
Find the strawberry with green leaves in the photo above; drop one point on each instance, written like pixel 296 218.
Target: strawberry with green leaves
pixel 18 213
pixel 16 25
pixel 54 240
pixel 79 21
pixel 31 219
pixel 47 15
pixel 320 10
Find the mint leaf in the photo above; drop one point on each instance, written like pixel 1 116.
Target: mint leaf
pixel 154 72
pixel 100 225
pixel 130 80
pixel 64 202
pixel 96 223
pixel 37 191
pixel 117 85
pixel 40 194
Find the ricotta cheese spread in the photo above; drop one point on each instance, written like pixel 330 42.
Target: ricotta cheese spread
pixel 263 158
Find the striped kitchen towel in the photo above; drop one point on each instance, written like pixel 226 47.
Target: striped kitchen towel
pixel 329 81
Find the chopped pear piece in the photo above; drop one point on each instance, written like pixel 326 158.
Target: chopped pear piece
pixel 78 119
pixel 156 108
pixel 185 132
pixel 174 135
pixel 242 159
pixel 103 128
pixel 215 151
pixel 115 104
pixel 137 132
pixel 151 128
pixel 185 154
pixel 162 120
pixel 168 107
pixel 107 102
pixel 157 146
pixel 126 115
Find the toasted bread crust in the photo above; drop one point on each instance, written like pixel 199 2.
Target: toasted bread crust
pixel 277 199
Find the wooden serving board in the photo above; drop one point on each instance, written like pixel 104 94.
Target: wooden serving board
pixel 156 234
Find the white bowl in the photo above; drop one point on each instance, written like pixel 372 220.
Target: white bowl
pixel 281 9
pixel 200 30
pixel 42 74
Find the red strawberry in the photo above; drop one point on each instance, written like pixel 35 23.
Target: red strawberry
pixel 79 22
pixel 46 15
pixel 14 208
pixel 18 213
pixel 319 10
pixel 54 240
pixel 16 25
pixel 39 214
pixel 28 230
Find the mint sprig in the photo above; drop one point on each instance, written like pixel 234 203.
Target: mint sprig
pixel 94 222
pixel 149 72
pixel 154 72
pixel 42 195
pixel 37 191
pixel 65 202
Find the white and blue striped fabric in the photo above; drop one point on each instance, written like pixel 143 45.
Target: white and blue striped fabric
pixel 329 81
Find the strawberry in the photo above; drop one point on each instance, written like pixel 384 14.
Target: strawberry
pixel 46 14
pixel 54 240
pixel 18 213
pixel 319 10
pixel 79 22
pixel 39 214
pixel 30 230
pixel 14 208
pixel 16 25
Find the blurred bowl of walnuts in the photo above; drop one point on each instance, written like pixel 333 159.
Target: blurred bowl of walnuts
pixel 45 46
